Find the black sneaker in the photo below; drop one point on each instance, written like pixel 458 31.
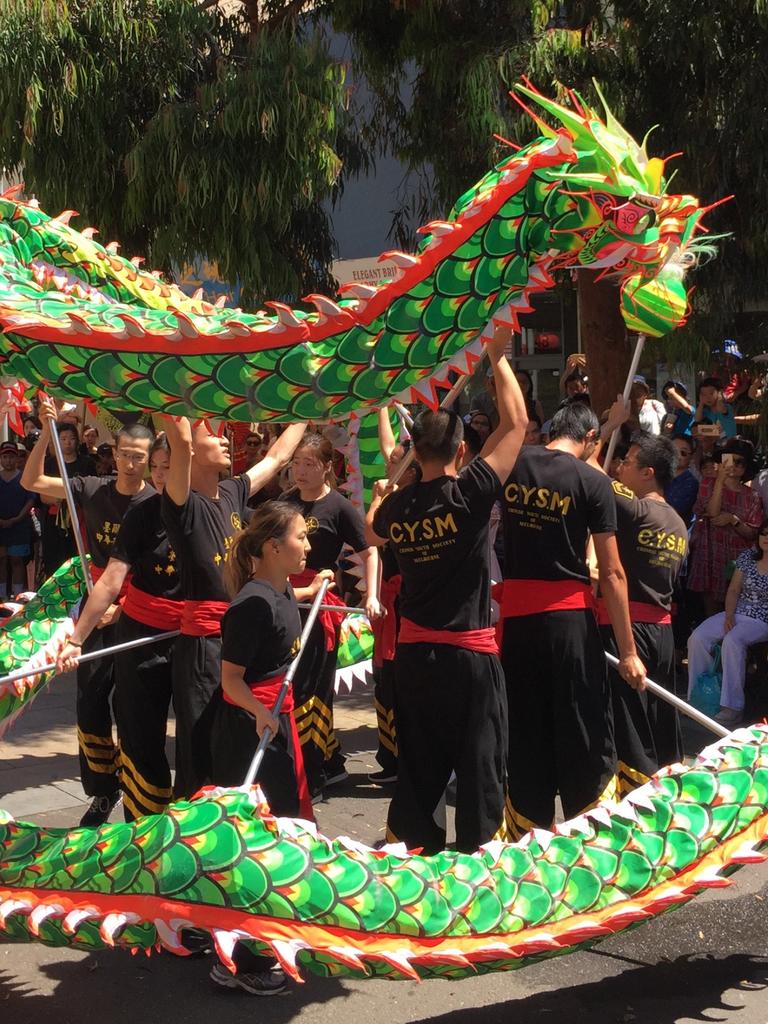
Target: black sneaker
pixel 383 777
pixel 100 810
pixel 340 775
pixel 270 982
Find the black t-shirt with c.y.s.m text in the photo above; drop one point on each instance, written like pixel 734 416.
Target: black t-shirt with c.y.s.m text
pixel 261 630
pixel 551 503
pixel 438 531
pixel 332 521
pixel 143 544
pixel 102 508
pixel 653 542
pixel 201 532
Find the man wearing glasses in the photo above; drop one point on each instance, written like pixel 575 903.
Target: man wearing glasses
pixel 102 502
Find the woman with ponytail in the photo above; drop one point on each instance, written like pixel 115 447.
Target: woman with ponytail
pixel 260 637
pixel 332 521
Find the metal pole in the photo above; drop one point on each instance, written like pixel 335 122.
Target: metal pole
pixel 627 388
pixel 24 673
pixel 71 505
pixel 341 608
pixel 677 702
pixel 258 757
pixel 446 403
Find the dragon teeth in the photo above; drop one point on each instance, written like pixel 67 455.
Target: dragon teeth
pixel 113 923
pixel 75 918
pixel 13 907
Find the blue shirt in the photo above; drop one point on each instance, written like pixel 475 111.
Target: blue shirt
pixel 725 419
pixel 681 495
pixel 683 423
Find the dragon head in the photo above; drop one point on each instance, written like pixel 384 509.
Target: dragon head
pixel 613 212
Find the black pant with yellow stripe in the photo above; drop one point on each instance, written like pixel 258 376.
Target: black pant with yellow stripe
pixel 647 729
pixel 142 698
pixel 560 718
pixel 99 765
pixel 384 702
pixel 313 689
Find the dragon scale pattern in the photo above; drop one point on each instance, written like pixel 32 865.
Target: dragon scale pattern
pixel 221 862
pixel 83 322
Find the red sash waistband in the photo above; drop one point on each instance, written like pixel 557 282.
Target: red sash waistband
pixel 98 571
pixel 385 629
pixel 158 612
pixel 202 618
pixel 483 641
pixel 532 597
pixel 266 691
pixel 328 620
pixel 639 611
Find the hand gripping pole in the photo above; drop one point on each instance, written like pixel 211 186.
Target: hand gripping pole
pixel 266 736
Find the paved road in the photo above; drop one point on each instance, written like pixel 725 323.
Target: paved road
pixel 706 961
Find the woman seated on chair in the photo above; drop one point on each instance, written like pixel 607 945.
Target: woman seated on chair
pixel 743 623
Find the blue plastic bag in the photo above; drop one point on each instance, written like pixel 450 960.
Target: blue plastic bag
pixel 705 694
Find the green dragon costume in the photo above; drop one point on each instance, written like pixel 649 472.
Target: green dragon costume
pixel 222 863
pixel 80 321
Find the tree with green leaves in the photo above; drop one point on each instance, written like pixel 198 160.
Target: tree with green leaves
pixel 696 70
pixel 182 130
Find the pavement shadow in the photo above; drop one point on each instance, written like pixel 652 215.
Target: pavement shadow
pixel 663 993
pixel 34 770
pixel 124 989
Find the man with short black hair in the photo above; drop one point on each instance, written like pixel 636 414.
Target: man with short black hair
pixel 450 702
pixel 653 542
pixel 560 724
pixel 101 501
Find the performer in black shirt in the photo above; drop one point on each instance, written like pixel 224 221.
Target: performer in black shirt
pixel 57 540
pixel 145 568
pixel 203 515
pixel 450 703
pixel 102 502
pixel 560 723
pixel 653 541
pixel 332 521
pixel 260 637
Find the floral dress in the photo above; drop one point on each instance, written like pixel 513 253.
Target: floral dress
pixel 714 548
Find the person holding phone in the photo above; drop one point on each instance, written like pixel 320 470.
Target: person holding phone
pixel 728 515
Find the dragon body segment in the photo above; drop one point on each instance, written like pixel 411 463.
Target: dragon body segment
pixel 83 322
pixel 222 863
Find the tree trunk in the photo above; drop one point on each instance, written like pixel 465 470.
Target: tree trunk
pixel 603 339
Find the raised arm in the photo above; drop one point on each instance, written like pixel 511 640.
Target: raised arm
pixel 34 478
pixel 277 458
pixel 501 449
pixel 381 489
pixel 387 443
pixel 178 480
pixel 678 401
